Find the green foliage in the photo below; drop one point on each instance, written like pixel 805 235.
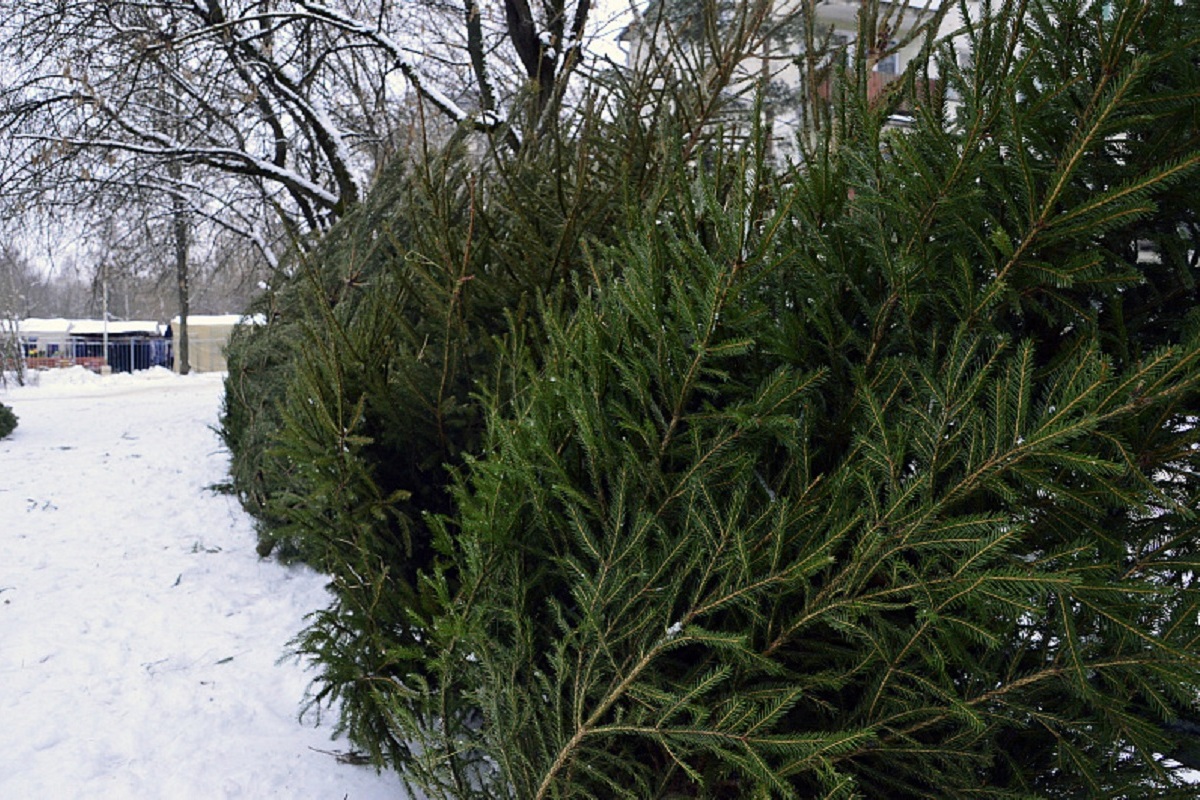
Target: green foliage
pixel 8 421
pixel 850 493
pixel 345 407
pixel 687 573
pixel 642 468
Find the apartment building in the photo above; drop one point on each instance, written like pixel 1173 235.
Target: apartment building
pixel 796 61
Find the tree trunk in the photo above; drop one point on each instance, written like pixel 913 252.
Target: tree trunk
pixel 11 313
pixel 180 228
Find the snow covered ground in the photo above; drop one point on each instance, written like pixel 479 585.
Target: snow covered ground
pixel 139 631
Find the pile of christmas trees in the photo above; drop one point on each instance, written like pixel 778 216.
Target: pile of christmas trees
pixel 644 466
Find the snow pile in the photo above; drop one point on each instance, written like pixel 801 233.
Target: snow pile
pixel 139 631
pixel 61 380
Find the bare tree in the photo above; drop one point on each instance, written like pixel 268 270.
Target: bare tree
pixel 227 114
pixel 20 290
pixel 288 96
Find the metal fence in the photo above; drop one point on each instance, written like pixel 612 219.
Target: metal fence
pixel 124 353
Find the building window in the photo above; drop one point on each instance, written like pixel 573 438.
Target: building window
pixel 889 64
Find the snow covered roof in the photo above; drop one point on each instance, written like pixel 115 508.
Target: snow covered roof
pixel 217 319
pixel 86 327
pixel 43 325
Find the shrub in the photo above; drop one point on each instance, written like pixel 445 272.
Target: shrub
pixel 8 421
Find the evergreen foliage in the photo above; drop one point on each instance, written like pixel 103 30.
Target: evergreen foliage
pixel 683 575
pixel 344 409
pixel 655 471
pixel 8 421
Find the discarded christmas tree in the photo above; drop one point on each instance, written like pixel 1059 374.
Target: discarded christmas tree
pixel 872 476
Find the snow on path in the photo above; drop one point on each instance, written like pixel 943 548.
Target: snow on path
pixel 139 631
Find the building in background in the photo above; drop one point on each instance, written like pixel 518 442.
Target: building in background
pixel 794 62
pixel 131 344
pixel 208 336
pixel 119 346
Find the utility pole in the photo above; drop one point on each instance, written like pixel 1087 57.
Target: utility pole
pixel 104 291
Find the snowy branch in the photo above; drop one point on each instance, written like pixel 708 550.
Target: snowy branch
pixel 425 88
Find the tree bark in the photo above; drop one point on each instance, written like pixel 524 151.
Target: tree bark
pixel 179 228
